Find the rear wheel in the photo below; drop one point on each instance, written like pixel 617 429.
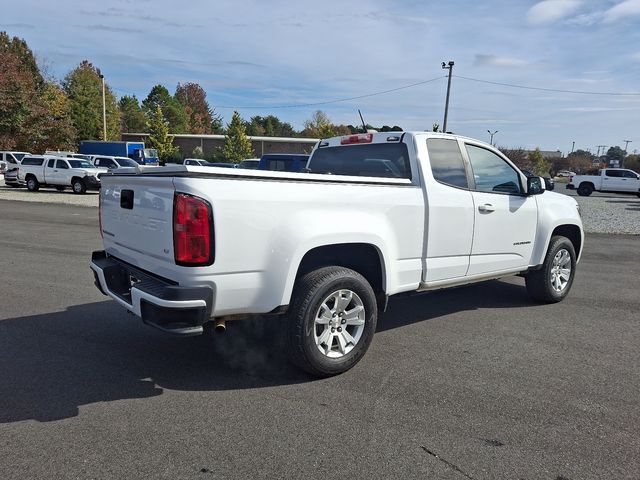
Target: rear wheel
pixel 553 281
pixel 331 320
pixel 78 186
pixel 585 189
pixel 32 184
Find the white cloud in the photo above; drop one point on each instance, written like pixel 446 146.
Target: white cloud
pixel 622 10
pixel 549 11
pixel 497 61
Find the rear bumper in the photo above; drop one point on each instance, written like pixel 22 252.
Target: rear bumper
pixel 159 302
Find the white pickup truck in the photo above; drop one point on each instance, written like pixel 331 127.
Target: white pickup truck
pixel 187 248
pixel 51 171
pixel 618 180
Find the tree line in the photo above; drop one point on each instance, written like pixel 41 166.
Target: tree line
pixel 39 113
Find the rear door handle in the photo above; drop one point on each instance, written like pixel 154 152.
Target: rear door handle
pixel 487 207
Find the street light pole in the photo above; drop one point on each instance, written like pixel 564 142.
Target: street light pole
pixel 104 109
pixel 573 145
pixel 447 66
pixel 492 134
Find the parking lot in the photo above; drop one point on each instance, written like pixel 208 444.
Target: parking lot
pixel 476 382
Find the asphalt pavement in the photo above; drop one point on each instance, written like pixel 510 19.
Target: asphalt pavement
pixel 476 382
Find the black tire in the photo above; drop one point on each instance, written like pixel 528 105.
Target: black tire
pixel 309 294
pixel 78 186
pixel 60 188
pixel 539 282
pixel 585 189
pixel 32 184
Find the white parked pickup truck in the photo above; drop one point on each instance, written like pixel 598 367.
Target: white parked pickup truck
pixel 375 215
pixel 51 171
pixel 618 180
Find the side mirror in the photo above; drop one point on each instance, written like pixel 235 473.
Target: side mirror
pixel 535 185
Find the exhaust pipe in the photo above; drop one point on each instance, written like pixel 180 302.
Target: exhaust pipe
pixel 220 326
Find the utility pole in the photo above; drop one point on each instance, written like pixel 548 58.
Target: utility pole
pixel 492 134
pixel 573 145
pixel 447 66
pixel 626 144
pixel 104 109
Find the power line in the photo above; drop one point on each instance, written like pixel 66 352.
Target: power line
pixel 327 102
pixel 526 87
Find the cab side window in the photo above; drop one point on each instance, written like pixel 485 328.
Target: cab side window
pixel 492 173
pixel 50 163
pixel 446 161
pixel 613 173
pixel 62 164
pixel 630 174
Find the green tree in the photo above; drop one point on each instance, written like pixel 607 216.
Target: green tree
pixel 538 163
pixel 615 155
pixel 172 111
pixel 237 146
pixel 318 126
pixel 159 137
pixel 201 118
pixel 270 126
pixel 83 88
pixel 56 130
pixel 132 118
pixel 197 152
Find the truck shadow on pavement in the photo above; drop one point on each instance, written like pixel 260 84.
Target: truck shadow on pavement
pixel 54 363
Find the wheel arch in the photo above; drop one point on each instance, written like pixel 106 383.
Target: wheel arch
pixel 365 258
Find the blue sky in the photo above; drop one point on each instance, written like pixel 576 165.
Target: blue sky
pixel 250 54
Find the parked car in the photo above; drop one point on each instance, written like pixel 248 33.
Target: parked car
pixel 110 163
pixel 9 159
pixel 188 251
pixel 283 162
pixel 9 165
pixel 565 173
pixel 48 171
pixel 619 180
pixel 249 163
pixel 548 181
pixel 196 162
pixel 11 178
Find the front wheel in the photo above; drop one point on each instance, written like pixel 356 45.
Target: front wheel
pixel 78 186
pixel 553 281
pixel 32 184
pixel 331 320
pixel 584 190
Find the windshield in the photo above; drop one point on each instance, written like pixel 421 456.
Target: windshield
pixel 19 156
pixel 125 162
pixel 79 164
pixel 150 153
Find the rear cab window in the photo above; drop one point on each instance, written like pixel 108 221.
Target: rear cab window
pixel 390 160
pixel 33 161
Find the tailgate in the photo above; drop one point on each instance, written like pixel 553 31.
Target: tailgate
pixel 137 218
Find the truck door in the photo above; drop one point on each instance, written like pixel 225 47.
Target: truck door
pixel 505 219
pixel 449 211
pixel 613 181
pixel 630 181
pixel 62 173
pixel 50 172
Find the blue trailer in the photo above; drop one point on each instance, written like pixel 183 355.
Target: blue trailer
pixel 134 150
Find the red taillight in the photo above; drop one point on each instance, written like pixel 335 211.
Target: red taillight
pixel 359 138
pixel 192 231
